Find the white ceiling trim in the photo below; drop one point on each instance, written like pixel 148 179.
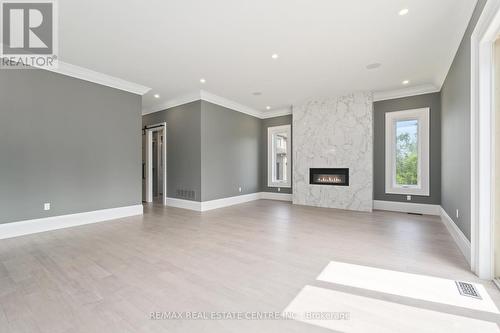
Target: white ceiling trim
pixel 224 102
pixel 209 97
pixel 181 100
pixel 89 75
pixel 86 74
pixel 276 113
pixel 218 100
pixel 405 92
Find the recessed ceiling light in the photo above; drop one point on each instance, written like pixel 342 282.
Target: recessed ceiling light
pixel 405 82
pixel 268 107
pixel 403 11
pixel 373 66
pixel 275 56
pixel 257 93
pixel 157 96
pixel 202 80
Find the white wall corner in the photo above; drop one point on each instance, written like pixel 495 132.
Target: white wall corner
pixel 407 207
pixel 482 135
pixel 15 229
pixel 458 236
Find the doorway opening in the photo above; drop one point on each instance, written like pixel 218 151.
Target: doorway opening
pixel 485 98
pixel 496 162
pixel 154 163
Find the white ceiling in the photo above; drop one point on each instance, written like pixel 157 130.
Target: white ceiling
pixel 324 46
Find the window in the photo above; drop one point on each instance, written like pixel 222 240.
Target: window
pixel 407 152
pixel 278 147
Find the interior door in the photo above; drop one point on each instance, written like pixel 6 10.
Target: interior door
pixel 160 162
pixel 143 167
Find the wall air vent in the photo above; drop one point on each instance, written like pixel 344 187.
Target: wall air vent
pixel 185 194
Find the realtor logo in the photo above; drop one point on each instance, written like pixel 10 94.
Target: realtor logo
pixel 29 34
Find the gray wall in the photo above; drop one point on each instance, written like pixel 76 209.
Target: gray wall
pixel 230 150
pixel 183 148
pixel 266 123
pixel 455 99
pixel 214 150
pixel 66 141
pixel 433 101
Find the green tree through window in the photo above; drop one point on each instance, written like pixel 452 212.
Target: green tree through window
pixel 407 152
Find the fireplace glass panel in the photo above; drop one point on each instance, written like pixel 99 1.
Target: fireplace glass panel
pixel 331 176
pixel 329 179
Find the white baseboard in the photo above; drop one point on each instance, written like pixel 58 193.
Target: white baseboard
pixel 226 202
pixel 184 204
pixel 212 204
pixel 496 281
pixel 276 196
pixel 462 242
pixel 407 207
pixel 14 229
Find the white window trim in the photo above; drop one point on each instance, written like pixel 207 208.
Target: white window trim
pixel 270 153
pixel 422 115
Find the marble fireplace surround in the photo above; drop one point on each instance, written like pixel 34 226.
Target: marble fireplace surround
pixel 334 133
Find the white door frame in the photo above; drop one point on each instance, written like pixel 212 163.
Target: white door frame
pixel 160 127
pixel 482 140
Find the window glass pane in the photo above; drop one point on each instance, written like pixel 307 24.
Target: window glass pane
pixel 407 152
pixel 280 156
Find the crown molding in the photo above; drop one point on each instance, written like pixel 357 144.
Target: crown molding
pixel 214 99
pixel 276 113
pixel 218 100
pixel 181 100
pixel 224 102
pixel 89 75
pixel 86 74
pixel 405 92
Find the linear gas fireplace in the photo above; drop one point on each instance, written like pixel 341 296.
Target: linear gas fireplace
pixel 337 177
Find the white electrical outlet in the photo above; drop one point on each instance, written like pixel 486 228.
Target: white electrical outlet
pixel 239 189
pixel 408 197
pixel 279 189
pixel 458 215
pixel 46 206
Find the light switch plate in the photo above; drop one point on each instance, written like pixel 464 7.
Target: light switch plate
pixel 46 206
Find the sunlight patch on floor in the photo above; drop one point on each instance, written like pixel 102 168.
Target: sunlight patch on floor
pixel 372 315
pixel 415 286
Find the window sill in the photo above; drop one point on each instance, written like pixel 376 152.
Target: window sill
pixel 280 185
pixel 409 191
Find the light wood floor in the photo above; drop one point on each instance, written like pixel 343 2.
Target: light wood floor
pixel 109 277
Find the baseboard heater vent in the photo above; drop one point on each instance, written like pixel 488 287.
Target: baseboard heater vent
pixel 467 289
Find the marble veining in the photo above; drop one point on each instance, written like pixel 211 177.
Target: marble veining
pixel 334 133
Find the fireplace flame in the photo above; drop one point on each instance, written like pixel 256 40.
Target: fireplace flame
pixel 330 179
